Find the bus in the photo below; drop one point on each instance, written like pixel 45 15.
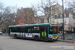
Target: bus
pixel 44 31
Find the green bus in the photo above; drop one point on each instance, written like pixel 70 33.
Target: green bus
pixel 44 31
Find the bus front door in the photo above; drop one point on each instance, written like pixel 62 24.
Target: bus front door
pixel 44 33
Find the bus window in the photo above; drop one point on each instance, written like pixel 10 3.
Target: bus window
pixel 42 28
pixel 18 29
pixel 13 29
pixel 28 29
pixel 53 30
pixel 32 30
pixel 36 30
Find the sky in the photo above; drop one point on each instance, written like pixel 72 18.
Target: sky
pixel 19 3
pixel 23 3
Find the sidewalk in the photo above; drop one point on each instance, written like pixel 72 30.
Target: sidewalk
pixel 68 38
pixel 68 41
pixel 5 34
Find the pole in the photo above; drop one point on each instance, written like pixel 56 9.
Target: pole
pixel 63 18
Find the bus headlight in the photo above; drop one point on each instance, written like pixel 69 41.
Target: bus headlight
pixel 50 36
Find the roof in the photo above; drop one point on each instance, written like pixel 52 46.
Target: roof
pixel 29 25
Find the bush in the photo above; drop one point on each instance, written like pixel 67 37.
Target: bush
pixel 4 30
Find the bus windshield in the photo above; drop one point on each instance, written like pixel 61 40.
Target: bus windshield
pixel 53 30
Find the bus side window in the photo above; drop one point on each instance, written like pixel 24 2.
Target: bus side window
pixel 36 30
pixel 22 29
pixel 28 29
pixel 13 29
pixel 32 30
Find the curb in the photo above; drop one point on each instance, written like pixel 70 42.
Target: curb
pixel 68 41
pixel 5 34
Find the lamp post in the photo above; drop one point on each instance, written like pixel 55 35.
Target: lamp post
pixel 63 18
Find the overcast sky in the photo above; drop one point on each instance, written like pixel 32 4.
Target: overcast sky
pixel 23 3
pixel 19 3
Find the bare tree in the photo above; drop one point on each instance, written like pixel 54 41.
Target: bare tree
pixel 71 5
pixel 45 6
pixel 1 11
pixel 7 18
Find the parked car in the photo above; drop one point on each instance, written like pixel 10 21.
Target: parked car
pixel 0 33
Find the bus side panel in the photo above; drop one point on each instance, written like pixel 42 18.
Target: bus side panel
pixel 36 34
pixel 13 33
pixel 9 31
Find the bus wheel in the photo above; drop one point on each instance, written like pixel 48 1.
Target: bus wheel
pixel 36 38
pixel 15 36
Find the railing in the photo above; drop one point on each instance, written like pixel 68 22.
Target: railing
pixel 67 36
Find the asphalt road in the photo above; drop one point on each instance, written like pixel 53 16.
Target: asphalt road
pixel 8 43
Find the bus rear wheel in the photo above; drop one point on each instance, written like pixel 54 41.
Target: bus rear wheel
pixel 36 38
pixel 15 36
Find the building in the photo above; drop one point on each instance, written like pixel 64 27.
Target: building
pixel 38 20
pixel 52 10
pixel 56 17
pixel 25 16
pixel 69 21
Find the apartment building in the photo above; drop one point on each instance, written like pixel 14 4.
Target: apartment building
pixel 38 20
pixel 54 10
pixel 25 16
pixel 69 21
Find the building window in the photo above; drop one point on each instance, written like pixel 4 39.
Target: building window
pixel 64 15
pixel 58 16
pixel 60 21
pixel 53 8
pixel 55 16
pixel 65 22
pixel 67 15
pixel 57 22
pixel 61 16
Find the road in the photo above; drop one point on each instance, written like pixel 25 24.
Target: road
pixel 8 43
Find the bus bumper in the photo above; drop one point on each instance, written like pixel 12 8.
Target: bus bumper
pixel 51 39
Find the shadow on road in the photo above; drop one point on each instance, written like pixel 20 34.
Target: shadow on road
pixel 34 40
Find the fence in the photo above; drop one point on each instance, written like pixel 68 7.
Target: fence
pixel 68 36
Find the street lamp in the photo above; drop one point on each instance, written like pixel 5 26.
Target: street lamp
pixel 63 18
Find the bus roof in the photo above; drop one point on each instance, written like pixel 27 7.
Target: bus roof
pixel 29 25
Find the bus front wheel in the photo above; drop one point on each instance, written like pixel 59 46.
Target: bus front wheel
pixel 36 38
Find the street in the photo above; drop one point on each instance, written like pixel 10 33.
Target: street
pixel 8 43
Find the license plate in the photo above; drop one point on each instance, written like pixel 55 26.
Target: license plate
pixel 54 36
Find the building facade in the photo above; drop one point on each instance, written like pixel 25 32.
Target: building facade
pixel 69 21
pixel 39 20
pixel 52 10
pixel 25 16
pixel 56 17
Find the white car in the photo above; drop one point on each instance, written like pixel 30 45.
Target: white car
pixel 0 33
